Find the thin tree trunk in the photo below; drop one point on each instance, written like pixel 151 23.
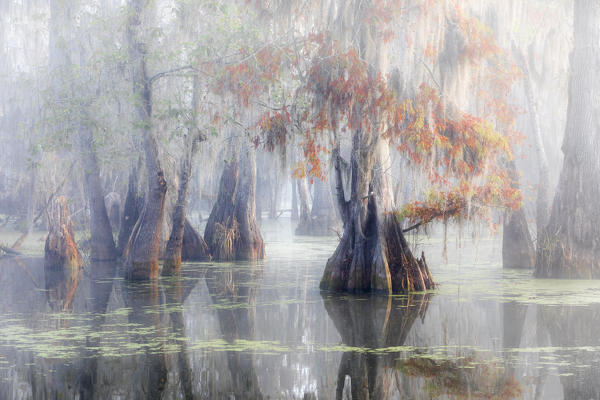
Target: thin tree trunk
pixel 517 246
pixel 274 192
pixel 172 261
pixel 294 201
pixel 144 245
pixel 173 255
pixel 31 204
pixel 570 246
pixel 543 186
pixel 304 217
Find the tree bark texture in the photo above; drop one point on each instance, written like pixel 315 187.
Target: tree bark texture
pixel 102 243
pixel 144 245
pixel 60 250
pixel 373 254
pixel 570 245
pixel 180 226
pixel 232 232
pixel 130 213
pixel 193 248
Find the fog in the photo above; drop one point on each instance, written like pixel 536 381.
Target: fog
pixel 227 188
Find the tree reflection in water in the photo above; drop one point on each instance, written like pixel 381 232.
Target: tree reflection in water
pixel 225 331
pixel 379 365
pixel 576 327
pixel 234 292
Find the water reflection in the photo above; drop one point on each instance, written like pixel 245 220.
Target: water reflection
pixel 576 327
pixel 263 330
pixel 367 324
pixel 61 284
pixel 101 284
pixel 234 293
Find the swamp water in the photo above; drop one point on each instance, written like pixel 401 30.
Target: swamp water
pixel 264 330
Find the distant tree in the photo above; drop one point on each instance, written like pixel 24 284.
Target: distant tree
pixel 570 245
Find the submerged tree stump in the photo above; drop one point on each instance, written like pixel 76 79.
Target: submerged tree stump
pixel 61 250
pixel 232 232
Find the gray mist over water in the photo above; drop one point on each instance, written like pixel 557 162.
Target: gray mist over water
pixel 336 199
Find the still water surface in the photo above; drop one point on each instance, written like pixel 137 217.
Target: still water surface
pixel 264 330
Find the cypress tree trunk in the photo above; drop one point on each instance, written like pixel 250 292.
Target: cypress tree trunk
pixel 275 190
pixel 294 215
pixel 112 203
pixel 373 254
pixel 517 246
pixel 193 247
pixel 130 213
pixel 570 245
pixel 102 243
pixel 323 218
pixel 304 216
pixel 144 245
pixel 173 253
pixel 543 186
pixel 172 261
pixel 232 232
pixel 60 250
